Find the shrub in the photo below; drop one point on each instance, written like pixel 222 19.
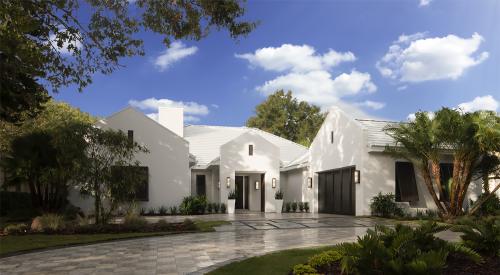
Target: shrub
pixel 134 222
pixel 173 210
pixel 323 261
pixel 294 206
pixel 188 224
pixel 71 212
pixel 216 207
pixel 288 206
pixel 400 250
pixel 482 235
pixel 209 208
pixel 142 212
pixel 151 211
pixel 51 222
pixel 162 211
pixel 489 207
pixel 193 205
pixel 222 208
pixel 301 206
pixel 385 206
pixel 17 205
pixel 231 195
pixel 304 269
pixel 306 206
pixel 15 229
pixel 278 195
pixel 163 225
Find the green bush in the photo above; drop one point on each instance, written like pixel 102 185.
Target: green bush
pixel 231 195
pixel 193 205
pixel 306 206
pixel 323 261
pixel 288 206
pixel 301 206
pixel 400 250
pixel 489 207
pixel 294 206
pixel 151 211
pixel 278 195
pixel 209 208
pixel 162 211
pixel 481 235
pixel 71 212
pixel 188 224
pixel 15 229
pixel 16 206
pixel 216 207
pixel 142 212
pixel 52 222
pixel 173 210
pixel 304 269
pixel 134 222
pixel 223 208
pixel 385 206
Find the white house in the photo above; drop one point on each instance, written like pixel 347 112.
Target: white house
pixel 342 170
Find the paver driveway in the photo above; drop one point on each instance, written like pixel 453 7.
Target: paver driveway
pixel 187 253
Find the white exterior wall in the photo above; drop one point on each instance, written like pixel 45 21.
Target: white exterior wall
pixel 234 158
pixel 294 186
pixel 211 181
pixel 347 149
pixel 168 159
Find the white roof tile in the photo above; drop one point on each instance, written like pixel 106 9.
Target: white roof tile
pixel 375 131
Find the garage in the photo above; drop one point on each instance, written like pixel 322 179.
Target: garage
pixel 336 191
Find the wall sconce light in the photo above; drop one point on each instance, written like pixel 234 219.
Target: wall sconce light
pixel 218 185
pixel 309 182
pixel 228 182
pixel 274 183
pixel 257 185
pixel 357 176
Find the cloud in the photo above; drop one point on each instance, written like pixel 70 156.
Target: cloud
pixel 480 103
pixel 424 2
pixel 192 110
pixel 411 117
pixel 295 58
pixel 307 74
pixel 413 58
pixel 318 87
pixel 371 104
pixel 176 52
pixel 64 47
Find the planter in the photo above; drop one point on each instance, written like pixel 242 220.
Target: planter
pixel 230 206
pixel 278 204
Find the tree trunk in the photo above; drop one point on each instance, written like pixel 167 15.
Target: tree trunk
pixel 486 183
pixel 97 202
pixel 436 174
pixel 428 182
pixel 478 204
pixel 464 186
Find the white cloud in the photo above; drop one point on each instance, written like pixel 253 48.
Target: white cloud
pixel 192 110
pixel 371 104
pixel 480 103
pixel 215 106
pixel 318 87
pixel 176 52
pixel 64 47
pixel 424 2
pixel 413 58
pixel 295 58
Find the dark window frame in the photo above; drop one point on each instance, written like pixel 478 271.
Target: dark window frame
pixel 130 136
pixel 250 150
pixel 405 181
pixel 332 139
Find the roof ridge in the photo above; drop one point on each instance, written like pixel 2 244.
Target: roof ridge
pixel 377 120
pixel 257 129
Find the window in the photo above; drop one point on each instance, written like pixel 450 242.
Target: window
pixel 200 185
pixel 130 134
pixel 250 150
pixel 406 185
pixel 331 137
pixel 137 174
pixel 446 170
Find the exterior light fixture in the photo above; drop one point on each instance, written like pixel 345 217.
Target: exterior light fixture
pixel 257 185
pixel 218 185
pixel 309 182
pixel 274 183
pixel 228 182
pixel 357 176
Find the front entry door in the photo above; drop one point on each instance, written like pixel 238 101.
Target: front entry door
pixel 239 192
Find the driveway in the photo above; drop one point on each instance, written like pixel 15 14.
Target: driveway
pixel 189 253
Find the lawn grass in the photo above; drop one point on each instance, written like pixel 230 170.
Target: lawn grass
pixel 22 243
pixel 280 262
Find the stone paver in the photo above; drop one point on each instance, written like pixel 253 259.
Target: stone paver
pixel 193 253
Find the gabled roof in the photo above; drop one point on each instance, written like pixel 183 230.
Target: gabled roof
pixel 205 142
pixel 374 129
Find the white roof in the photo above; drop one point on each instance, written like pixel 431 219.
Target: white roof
pixel 205 142
pixel 375 131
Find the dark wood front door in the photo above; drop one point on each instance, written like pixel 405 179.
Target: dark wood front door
pixel 336 191
pixel 201 185
pixel 262 194
pixel 239 192
pixel 247 191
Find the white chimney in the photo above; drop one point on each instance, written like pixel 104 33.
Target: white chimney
pixel 172 118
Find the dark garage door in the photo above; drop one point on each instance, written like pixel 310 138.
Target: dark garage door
pixel 336 191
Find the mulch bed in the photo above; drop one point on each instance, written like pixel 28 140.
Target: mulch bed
pixel 458 265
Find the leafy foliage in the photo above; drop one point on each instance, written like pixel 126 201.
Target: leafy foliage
pixel 481 235
pixel 231 195
pixel 285 116
pixel 52 222
pixel 223 208
pixel 303 269
pixel 323 261
pixel 278 195
pixel 491 206
pixel 193 205
pixel 49 44
pixel 385 206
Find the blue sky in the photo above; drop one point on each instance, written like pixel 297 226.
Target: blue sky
pixel 381 59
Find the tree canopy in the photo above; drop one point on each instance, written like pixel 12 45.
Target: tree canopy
pixel 47 44
pixel 287 117
pixel 472 139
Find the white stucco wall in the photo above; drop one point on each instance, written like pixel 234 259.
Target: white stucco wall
pixel 211 181
pixel 168 159
pixel 294 186
pixel 234 158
